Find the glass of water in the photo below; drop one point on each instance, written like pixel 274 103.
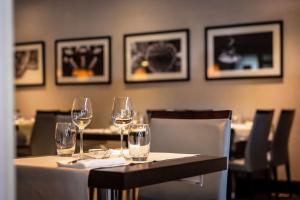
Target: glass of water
pixel 65 139
pixel 139 137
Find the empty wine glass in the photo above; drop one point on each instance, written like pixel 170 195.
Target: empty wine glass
pixel 81 116
pixel 122 114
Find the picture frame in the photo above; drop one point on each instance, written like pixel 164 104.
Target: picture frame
pixel 83 61
pixel 244 51
pixel 160 56
pixel 29 64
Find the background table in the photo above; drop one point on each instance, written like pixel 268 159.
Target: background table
pixel 242 131
pixel 102 134
pixel 94 138
pixel 23 131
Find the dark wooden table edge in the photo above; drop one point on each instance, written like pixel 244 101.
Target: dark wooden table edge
pixel 90 136
pixel 155 172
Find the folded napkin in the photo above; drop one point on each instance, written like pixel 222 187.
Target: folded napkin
pixel 93 163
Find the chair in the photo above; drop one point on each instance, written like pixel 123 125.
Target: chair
pixel 279 147
pixel 198 132
pixel 42 139
pixel 255 158
pixel 64 117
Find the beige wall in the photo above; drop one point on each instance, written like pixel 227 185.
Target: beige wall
pixel 54 19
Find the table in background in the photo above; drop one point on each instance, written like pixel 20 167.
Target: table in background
pixel 102 134
pixel 94 138
pixel 241 131
pixel 24 131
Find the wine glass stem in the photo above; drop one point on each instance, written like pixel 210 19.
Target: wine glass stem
pixel 121 133
pixel 81 143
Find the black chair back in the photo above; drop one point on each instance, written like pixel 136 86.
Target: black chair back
pixel 279 145
pixel 189 114
pixel 42 139
pixel 257 144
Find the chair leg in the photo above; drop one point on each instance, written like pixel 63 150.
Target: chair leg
pixel 229 185
pixel 288 176
pixel 268 179
pixel 250 178
pixel 91 191
pixel 274 170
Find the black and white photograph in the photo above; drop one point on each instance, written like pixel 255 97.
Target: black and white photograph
pixel 83 61
pixel 244 51
pixel 157 56
pixel 29 64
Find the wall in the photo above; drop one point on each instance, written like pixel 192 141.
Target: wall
pixel 54 19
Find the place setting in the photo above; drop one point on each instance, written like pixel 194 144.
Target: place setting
pixel 139 137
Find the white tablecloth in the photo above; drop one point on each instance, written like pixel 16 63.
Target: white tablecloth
pixel 102 131
pixel 24 131
pixel 40 178
pixel 242 131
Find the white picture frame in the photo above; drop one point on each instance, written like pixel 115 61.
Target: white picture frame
pixel 82 61
pixel 30 64
pixel 161 56
pixel 244 51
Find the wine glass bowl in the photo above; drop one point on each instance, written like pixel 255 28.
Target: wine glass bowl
pixel 123 118
pixel 122 114
pixel 81 116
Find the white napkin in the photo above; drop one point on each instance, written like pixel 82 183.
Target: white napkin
pixel 93 163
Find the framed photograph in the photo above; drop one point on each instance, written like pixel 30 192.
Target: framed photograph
pixel 30 64
pixel 83 61
pixel 156 56
pixel 244 51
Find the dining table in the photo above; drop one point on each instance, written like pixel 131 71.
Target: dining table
pixel 242 131
pixel 42 178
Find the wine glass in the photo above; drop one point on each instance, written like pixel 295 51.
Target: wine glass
pixel 122 114
pixel 81 116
